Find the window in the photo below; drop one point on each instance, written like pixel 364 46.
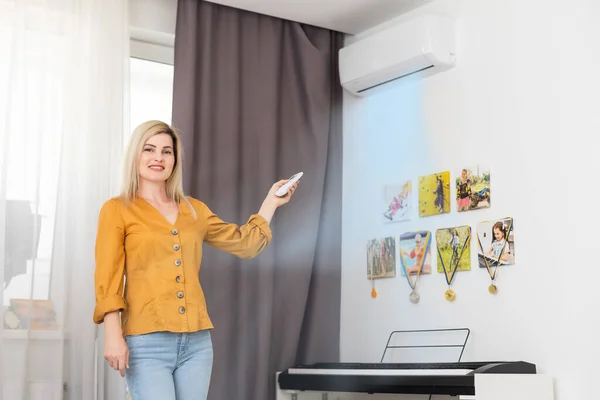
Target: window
pixel 151 94
pixel 30 155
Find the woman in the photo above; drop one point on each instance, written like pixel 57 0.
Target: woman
pixel 152 234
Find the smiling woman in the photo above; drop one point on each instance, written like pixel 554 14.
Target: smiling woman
pixel 160 231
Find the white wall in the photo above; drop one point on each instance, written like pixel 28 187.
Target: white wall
pixel 152 29
pixel 523 99
pixel 153 15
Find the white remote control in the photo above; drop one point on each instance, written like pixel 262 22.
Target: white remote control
pixel 282 191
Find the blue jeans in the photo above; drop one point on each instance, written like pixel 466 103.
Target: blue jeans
pixel 169 366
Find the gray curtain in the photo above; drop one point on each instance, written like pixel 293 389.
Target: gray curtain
pixel 258 99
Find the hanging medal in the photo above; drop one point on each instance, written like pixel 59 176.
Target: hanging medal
pixel 371 261
pixel 457 250
pixel 420 253
pixel 500 232
pixel 373 291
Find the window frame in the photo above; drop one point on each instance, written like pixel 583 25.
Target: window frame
pixel 152 45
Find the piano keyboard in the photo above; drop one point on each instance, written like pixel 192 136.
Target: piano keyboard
pixel 380 372
pixel 453 379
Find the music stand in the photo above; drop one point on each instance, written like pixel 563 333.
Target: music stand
pixel 459 344
pixel 420 333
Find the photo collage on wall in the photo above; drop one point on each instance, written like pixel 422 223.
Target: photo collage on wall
pixel 413 253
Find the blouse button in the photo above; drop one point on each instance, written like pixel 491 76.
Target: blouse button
pixel 176 247
pixel 182 310
pixel 178 262
pixel 178 279
pixel 180 295
pixel 174 231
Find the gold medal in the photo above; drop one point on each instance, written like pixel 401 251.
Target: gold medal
pixel 453 265
pixel 493 289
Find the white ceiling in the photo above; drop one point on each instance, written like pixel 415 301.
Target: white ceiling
pixel 347 16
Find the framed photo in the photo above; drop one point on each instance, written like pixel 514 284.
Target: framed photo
pixel 453 248
pixel 434 194
pixel 397 202
pixel 473 190
pixel 496 243
pixel 415 252
pixel 381 258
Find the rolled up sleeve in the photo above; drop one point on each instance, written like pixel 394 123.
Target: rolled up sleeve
pixel 245 241
pixel 109 274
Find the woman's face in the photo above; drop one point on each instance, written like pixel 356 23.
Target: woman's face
pixel 157 158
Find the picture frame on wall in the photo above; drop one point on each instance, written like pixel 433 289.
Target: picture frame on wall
pixel 473 188
pixel 381 258
pixel 397 202
pixel 496 243
pixel 415 253
pixel 453 247
pixel 434 194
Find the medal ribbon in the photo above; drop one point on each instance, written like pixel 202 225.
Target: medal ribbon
pixel 464 246
pixel 408 278
pixel 487 264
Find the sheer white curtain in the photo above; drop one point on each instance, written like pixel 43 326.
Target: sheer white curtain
pixel 63 80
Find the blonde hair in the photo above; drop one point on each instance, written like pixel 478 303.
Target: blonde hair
pixel 131 175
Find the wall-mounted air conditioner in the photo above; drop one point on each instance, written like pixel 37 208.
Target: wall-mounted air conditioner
pixel 419 47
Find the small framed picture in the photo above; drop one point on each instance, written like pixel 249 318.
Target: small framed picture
pixel 473 190
pixel 496 243
pixel 381 258
pixel 415 253
pixel 434 194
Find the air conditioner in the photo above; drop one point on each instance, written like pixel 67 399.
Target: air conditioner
pixel 419 47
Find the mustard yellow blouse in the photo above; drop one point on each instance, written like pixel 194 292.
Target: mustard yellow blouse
pixel 157 263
